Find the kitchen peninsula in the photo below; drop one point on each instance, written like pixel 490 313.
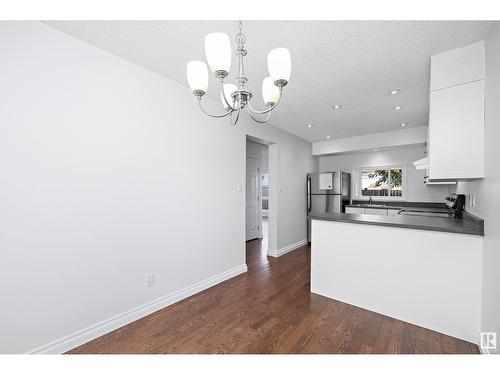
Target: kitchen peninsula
pixel 423 270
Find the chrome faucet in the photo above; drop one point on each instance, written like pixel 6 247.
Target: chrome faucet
pixel 369 199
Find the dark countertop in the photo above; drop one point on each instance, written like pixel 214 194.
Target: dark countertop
pixel 469 224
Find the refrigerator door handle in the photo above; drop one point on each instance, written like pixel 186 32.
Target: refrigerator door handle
pixel 308 194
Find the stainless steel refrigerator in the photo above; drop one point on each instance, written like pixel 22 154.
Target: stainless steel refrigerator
pixel 327 192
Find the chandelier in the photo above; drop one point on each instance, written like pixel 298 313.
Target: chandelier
pixel 235 97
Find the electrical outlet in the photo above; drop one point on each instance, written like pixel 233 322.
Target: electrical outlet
pixel 149 279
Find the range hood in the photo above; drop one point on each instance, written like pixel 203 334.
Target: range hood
pixel 424 164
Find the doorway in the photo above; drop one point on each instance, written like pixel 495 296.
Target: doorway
pixel 258 207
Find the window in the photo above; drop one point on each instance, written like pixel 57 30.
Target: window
pixel 387 182
pixel 265 180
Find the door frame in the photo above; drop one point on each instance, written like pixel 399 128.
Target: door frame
pixel 259 195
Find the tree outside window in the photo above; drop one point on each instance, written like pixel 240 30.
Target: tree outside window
pixel 386 182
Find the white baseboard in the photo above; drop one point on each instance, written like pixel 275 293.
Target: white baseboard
pixel 286 249
pixel 485 351
pixel 87 334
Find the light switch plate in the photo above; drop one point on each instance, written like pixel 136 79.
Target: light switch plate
pixel 471 200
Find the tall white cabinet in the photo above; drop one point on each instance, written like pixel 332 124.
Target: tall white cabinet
pixel 456 118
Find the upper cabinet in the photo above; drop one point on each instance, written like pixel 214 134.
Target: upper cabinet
pixel 456 118
pixel 456 132
pixel 457 66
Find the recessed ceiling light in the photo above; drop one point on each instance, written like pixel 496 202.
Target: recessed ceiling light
pixel 309 126
pixel 398 108
pixel 336 107
pixel 375 149
pixel 404 124
pixel 394 92
pixel 328 137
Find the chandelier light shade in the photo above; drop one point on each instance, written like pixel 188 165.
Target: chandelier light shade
pixel 270 92
pixel 197 75
pixel 236 97
pixel 279 64
pixel 218 52
pixel 228 90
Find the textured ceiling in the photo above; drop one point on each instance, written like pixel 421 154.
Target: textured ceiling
pixel 352 63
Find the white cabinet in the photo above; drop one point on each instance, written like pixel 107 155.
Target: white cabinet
pixel 458 66
pixel 354 210
pixel 456 118
pixel 456 132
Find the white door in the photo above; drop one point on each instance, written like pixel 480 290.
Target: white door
pixel 253 218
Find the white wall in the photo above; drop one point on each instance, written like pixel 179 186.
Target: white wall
pixel 110 172
pixel 487 190
pixel 417 191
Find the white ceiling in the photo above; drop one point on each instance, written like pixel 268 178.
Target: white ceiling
pixel 352 63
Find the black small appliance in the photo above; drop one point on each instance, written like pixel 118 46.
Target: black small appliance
pixel 457 203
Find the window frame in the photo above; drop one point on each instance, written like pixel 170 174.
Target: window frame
pixel 357 182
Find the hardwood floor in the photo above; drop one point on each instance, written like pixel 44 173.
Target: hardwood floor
pixel 269 309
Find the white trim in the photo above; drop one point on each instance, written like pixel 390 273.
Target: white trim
pixel 87 334
pixel 483 351
pixel 273 196
pixel 286 249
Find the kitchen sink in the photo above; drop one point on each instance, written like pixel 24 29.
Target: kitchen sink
pixel 370 205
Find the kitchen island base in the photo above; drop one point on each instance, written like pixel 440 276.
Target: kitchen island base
pixel 428 278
